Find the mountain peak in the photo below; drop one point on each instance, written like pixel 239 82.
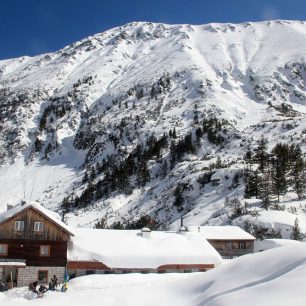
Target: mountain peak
pixel 76 116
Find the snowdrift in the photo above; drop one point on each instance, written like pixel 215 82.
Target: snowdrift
pixel 273 277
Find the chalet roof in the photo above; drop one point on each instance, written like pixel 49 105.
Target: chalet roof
pixel 129 249
pixel 221 232
pixel 53 217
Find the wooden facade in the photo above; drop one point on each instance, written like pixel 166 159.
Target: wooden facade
pixel 29 216
pixel 40 241
pixel 29 250
pixel 232 248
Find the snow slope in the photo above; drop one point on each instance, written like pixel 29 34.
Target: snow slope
pixel 273 277
pixel 101 97
pixel 266 244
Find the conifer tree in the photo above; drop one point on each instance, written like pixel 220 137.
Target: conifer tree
pixel 178 198
pixel 174 133
pixel 85 178
pixel 143 174
pixel 251 184
pixel 278 179
pixel 265 190
pixel 218 162
pixel 199 134
pixel 299 177
pixel 188 144
pixel 296 233
pixel 261 154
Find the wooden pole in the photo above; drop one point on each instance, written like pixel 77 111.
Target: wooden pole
pixel 12 279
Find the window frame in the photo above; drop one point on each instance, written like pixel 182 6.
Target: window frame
pixel 47 276
pixel 38 230
pixel 242 245
pixel 17 228
pixel 49 250
pixel 5 245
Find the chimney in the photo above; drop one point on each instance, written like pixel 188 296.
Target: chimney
pixel 182 230
pixel 9 206
pixel 23 202
pixel 182 221
pixel 145 232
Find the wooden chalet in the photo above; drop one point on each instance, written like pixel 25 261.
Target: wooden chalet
pixel 229 241
pixel 33 245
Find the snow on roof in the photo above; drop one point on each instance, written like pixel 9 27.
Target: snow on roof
pixel 222 232
pixel 129 249
pixel 54 217
pixel 12 264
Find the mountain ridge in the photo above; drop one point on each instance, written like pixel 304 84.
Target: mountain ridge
pixel 100 98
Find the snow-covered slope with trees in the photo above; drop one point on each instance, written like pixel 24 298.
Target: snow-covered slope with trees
pixel 145 123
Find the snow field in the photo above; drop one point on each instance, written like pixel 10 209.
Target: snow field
pixel 273 277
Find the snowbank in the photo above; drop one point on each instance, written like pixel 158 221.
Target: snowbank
pixel 266 244
pixel 273 277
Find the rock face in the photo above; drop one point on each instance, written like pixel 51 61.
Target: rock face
pixel 149 120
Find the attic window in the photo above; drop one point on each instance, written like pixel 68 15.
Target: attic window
pixel 19 226
pixel 3 249
pixel 38 226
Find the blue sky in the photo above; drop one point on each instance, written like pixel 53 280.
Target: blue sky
pixel 30 27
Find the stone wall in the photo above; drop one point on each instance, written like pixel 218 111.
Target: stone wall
pixel 29 274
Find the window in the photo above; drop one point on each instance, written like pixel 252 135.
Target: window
pixel 19 226
pixel 38 226
pixel 228 245
pixel 44 250
pixel 3 249
pixel 241 245
pixel 43 276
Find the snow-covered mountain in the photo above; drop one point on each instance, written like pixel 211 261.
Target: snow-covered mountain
pixel 127 98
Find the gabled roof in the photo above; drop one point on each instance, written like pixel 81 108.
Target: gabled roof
pixel 226 232
pixel 130 249
pixel 48 214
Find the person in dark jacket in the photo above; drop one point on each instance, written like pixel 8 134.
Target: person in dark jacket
pixel 32 287
pixel 54 282
pixel 2 287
